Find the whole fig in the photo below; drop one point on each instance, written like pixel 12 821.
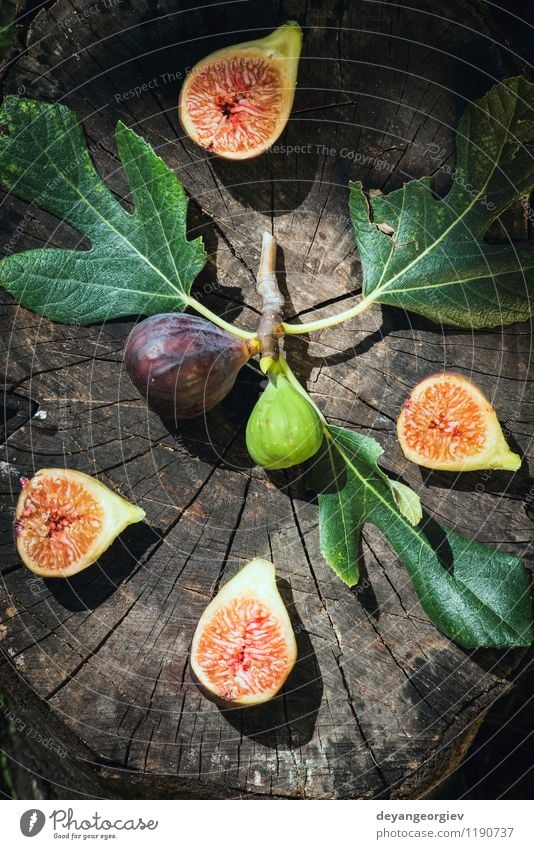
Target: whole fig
pixel 183 365
pixel 283 428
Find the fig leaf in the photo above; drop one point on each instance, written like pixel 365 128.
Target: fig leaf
pixel 428 255
pixel 476 595
pixel 342 508
pixel 140 263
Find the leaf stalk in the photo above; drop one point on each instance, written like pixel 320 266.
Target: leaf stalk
pixel 220 322
pixel 329 321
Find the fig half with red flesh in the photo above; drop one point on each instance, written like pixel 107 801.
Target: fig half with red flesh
pixel 244 647
pixel 447 423
pixel 65 520
pixel 236 102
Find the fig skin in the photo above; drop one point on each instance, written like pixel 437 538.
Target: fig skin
pixel 183 365
pixel 209 119
pixel 493 452
pixel 254 584
pixel 115 514
pixel 283 429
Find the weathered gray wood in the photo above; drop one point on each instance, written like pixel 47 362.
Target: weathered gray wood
pixel 380 704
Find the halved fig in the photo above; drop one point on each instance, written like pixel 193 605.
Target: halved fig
pixel 244 646
pixel 283 429
pixel 236 101
pixel 65 520
pixel 447 423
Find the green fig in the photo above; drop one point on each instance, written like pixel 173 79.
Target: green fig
pixel 283 428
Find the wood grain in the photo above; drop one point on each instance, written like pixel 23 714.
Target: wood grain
pixel 380 704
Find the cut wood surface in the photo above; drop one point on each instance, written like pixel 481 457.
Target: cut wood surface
pixel 380 704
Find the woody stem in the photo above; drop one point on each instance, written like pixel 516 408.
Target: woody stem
pixel 269 328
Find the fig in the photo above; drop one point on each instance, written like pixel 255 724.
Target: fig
pixel 183 365
pixel 244 647
pixel 283 428
pixel 236 102
pixel 447 423
pixel 66 519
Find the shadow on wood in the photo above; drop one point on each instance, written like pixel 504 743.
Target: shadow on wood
pixel 90 588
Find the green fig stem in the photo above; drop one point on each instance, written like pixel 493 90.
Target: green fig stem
pixel 330 321
pixel 220 322
pixel 269 365
pixel 272 299
pixel 283 366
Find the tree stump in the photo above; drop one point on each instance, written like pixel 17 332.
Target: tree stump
pixel 95 669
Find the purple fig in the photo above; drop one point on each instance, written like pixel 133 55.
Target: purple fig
pixel 183 365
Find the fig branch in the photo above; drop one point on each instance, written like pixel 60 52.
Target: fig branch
pixel 272 301
pixel 271 326
pixel 329 321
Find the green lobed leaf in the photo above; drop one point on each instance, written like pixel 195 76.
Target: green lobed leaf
pixel 436 261
pixel 140 263
pixel 475 594
pixel 344 512
pixel 341 512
